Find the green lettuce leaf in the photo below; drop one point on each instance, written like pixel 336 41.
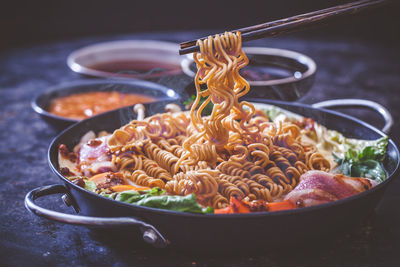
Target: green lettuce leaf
pixel 90 186
pixel 155 198
pixel 155 191
pixel 112 195
pixel 178 203
pixel 132 196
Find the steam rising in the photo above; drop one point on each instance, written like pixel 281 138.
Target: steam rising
pixel 176 88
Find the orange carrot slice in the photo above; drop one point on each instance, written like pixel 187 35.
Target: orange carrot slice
pixel 100 178
pixel 283 205
pixel 226 210
pixel 238 206
pixel 121 188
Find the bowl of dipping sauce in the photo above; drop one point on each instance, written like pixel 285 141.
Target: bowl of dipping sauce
pixel 272 73
pixel 66 104
pixel 140 59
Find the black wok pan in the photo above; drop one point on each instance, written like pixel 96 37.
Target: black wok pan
pixel 215 232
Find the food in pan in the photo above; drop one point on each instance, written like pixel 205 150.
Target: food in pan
pixel 84 105
pixel 238 159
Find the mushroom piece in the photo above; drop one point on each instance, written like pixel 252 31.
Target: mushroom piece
pixel 172 108
pixel 139 109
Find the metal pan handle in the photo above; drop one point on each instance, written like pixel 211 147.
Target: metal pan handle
pixel 150 234
pixel 360 103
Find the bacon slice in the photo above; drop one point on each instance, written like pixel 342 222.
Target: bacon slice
pixel 318 187
pixel 91 156
pixel 94 157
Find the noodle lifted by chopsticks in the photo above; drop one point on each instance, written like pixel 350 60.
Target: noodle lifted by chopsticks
pixel 236 151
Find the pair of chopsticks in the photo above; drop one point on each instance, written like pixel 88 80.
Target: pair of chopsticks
pixel 291 24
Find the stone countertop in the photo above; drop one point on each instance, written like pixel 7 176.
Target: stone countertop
pixel 346 69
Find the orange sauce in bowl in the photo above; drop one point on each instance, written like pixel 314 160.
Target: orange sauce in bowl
pixel 84 105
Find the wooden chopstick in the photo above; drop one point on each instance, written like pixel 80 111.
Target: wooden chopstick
pixel 291 24
pixel 278 22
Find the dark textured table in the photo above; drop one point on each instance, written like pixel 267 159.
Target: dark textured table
pixel 346 69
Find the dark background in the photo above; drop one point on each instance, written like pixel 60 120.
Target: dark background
pixel 24 22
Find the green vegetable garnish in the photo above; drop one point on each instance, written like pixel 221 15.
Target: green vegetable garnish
pixel 272 113
pixel 132 196
pixel 366 162
pixel 178 203
pixel 154 198
pixel 206 111
pixel 90 186
pixel 190 100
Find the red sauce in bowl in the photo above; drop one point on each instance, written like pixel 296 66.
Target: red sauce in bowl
pixel 83 105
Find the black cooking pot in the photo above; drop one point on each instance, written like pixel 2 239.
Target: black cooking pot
pixel 214 232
